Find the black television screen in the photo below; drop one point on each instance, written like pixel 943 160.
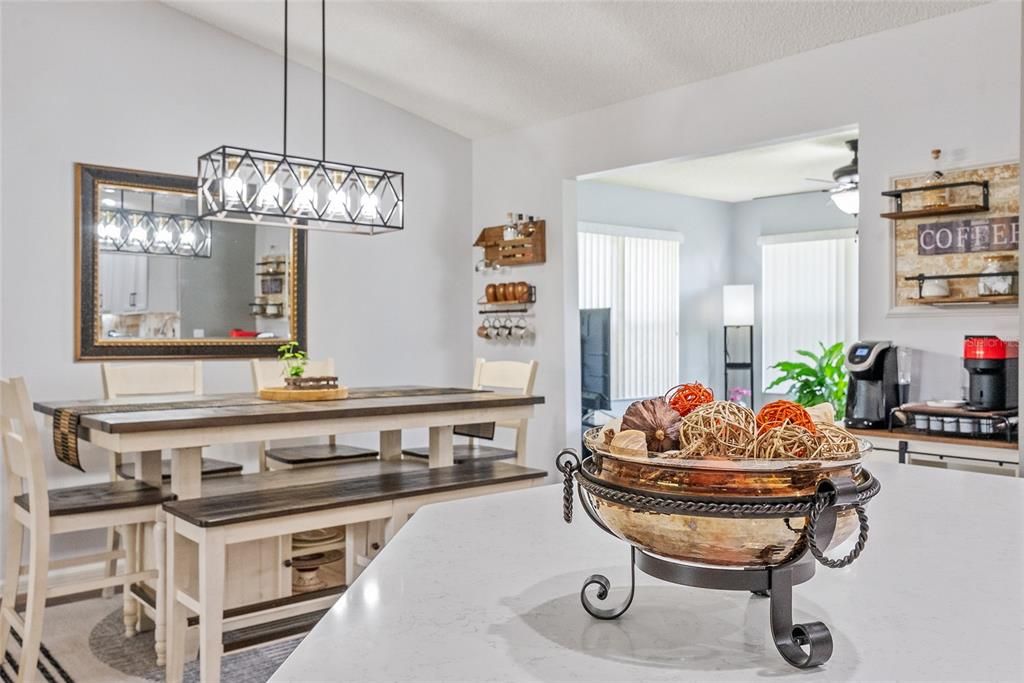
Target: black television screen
pixel 595 359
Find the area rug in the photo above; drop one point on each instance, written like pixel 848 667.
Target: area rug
pixel 84 643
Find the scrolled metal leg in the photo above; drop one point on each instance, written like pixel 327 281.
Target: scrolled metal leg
pixel 790 638
pixel 603 585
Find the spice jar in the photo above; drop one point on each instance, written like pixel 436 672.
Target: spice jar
pixel 998 283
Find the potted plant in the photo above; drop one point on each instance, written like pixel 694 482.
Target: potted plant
pixel 294 359
pixel 821 380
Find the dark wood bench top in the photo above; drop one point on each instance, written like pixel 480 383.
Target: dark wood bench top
pixel 319 453
pixel 465 452
pixel 250 506
pixel 99 497
pixel 251 410
pixel 211 468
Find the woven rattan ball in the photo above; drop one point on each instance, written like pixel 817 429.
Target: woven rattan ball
pixel 835 443
pixel 720 429
pixel 788 442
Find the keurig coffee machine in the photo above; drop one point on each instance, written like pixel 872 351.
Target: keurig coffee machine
pixel 991 364
pixel 874 384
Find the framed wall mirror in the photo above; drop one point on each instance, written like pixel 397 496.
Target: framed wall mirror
pixel 153 281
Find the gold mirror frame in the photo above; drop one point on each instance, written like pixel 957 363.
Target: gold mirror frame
pixel 88 343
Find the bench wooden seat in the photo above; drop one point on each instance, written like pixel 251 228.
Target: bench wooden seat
pixel 467 452
pixel 212 467
pixel 263 505
pixel 319 454
pixel 105 496
pixel 211 511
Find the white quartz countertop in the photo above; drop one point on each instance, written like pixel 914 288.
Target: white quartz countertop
pixel 487 589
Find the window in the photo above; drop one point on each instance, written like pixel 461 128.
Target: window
pixel 808 295
pixel 636 275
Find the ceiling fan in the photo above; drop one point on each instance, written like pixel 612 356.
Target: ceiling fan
pixel 844 193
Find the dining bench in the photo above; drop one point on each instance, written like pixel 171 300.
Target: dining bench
pixel 200 529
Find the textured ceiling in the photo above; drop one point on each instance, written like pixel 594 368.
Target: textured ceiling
pixel 743 175
pixel 482 67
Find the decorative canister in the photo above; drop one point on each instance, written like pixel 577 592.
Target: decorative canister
pixel 968 425
pixel 949 424
pixel 1001 282
pixel 921 422
pixel 935 423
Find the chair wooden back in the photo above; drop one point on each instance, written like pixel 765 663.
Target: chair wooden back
pixel 24 469
pixel 511 376
pixel 152 379
pixel 267 374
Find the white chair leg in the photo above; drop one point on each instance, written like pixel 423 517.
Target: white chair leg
pixel 131 607
pixel 160 616
pixel 114 533
pixel 38 566
pixel 211 605
pixel 13 538
pixel 175 611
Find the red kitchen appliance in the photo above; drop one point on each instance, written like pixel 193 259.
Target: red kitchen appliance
pixel 991 363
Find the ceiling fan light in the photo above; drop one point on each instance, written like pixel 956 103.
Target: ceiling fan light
pixel 846 199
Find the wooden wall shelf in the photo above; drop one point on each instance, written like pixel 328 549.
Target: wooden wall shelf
pixel 938 211
pixel 516 252
pixel 994 300
pixel 976 207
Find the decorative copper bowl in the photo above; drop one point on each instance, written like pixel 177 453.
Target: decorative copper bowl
pixel 633 496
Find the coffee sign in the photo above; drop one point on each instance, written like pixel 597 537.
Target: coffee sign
pixel 967 236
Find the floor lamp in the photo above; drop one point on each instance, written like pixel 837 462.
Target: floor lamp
pixel 738 314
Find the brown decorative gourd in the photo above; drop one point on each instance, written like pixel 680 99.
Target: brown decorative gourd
pixel 657 420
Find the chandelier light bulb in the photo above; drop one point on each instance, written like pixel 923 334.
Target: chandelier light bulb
pixel 234 190
pixel 269 194
pixel 163 236
pixel 306 199
pixel 369 206
pixel 188 237
pixel 138 234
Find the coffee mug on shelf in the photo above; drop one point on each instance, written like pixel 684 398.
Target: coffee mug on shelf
pixel 522 292
pixel 502 290
pixel 491 293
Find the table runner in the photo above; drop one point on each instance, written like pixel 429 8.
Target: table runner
pixel 66 419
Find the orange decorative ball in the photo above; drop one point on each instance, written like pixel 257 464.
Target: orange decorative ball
pixel 686 398
pixel 780 413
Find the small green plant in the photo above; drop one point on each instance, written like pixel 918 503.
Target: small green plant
pixel 821 380
pixel 294 359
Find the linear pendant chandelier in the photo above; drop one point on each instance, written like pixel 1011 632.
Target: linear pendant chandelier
pixel 134 231
pixel 264 188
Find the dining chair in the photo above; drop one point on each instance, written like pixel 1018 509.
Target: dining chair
pixel 505 375
pixel 167 381
pixel 269 374
pixel 29 506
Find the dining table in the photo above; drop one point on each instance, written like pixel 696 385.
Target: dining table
pixel 143 427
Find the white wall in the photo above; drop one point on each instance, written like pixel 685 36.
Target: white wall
pixel 704 261
pixel 908 90
pixel 140 85
pixel 775 216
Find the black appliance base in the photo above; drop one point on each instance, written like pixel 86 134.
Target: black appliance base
pixel 776 583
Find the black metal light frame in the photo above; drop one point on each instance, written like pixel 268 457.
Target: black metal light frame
pixel 152 222
pixel 244 185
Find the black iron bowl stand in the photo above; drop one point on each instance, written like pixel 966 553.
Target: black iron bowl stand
pixel 802 645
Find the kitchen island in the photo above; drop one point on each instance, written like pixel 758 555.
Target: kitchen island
pixel 489 590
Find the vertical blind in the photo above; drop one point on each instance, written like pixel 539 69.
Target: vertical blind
pixel 638 279
pixel 808 295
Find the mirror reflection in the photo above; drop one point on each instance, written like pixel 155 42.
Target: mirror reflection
pixel 163 274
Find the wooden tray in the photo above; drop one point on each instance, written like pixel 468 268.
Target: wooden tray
pixel 285 394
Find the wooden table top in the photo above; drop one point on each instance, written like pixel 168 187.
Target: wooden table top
pixel 252 410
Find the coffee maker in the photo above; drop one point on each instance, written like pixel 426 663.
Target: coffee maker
pixel 991 364
pixel 873 390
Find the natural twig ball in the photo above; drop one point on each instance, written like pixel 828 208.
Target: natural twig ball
pixel 720 429
pixel 786 442
pixel 780 413
pixel 686 398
